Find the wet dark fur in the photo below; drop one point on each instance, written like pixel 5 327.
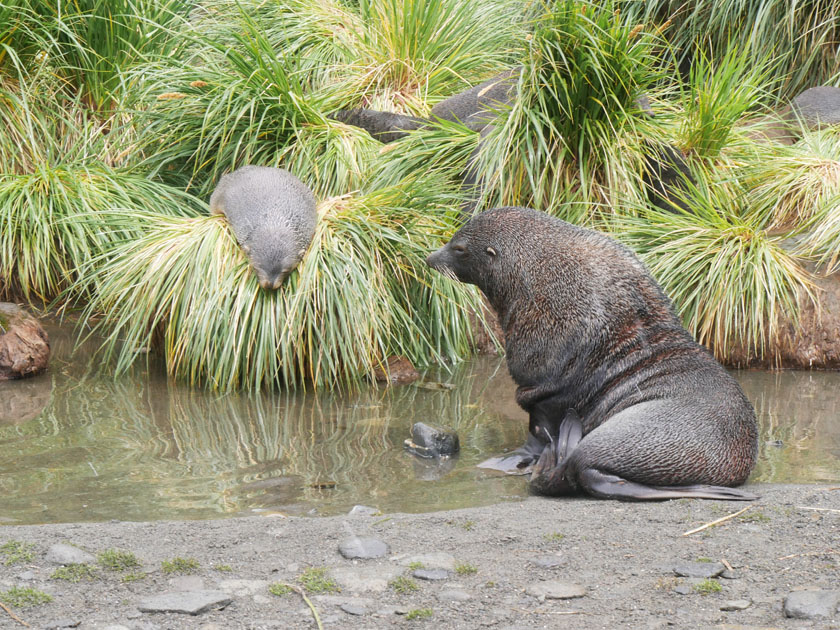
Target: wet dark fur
pixel 588 329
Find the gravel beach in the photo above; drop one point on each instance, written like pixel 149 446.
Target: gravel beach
pixel 538 563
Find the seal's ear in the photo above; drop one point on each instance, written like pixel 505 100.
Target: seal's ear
pixel 491 252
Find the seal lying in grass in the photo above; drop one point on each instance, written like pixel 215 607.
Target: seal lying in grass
pixel 623 403
pixel 273 216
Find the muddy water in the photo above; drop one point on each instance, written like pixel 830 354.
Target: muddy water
pixel 76 445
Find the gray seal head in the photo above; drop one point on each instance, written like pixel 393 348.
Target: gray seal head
pixel 272 214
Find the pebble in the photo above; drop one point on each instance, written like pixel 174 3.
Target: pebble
pixel 61 554
pixel 353 609
pixel 547 562
pixel 26 576
pixel 185 602
pixel 363 548
pixel 811 604
pixel 454 595
pixel 736 604
pixel 438 560
pixel 364 510
pixel 552 589
pixel 432 575
pixel 699 569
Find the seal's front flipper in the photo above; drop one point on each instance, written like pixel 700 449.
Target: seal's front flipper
pixel 518 462
pixel 608 486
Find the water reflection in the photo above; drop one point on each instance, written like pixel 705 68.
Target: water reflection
pixel 144 448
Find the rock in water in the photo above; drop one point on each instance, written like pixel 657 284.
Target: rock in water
pixel 273 216
pixel 24 344
pixel 432 441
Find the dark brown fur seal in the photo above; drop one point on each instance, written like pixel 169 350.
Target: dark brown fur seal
pixel 623 402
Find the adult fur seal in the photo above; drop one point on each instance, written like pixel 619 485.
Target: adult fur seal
pixel 623 402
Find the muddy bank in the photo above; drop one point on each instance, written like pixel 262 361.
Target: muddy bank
pixel 538 563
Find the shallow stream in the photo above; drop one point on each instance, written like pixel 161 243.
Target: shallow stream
pixel 77 445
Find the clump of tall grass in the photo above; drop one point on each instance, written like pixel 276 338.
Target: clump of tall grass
pixel 795 186
pixel 89 43
pixel 361 293
pixel 56 184
pixel 718 93
pixel 576 123
pixel 802 36
pixel 730 280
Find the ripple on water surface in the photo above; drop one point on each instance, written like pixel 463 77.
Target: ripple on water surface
pixel 77 445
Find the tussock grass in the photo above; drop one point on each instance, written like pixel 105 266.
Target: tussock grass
pixel 361 293
pixel 576 125
pixel 730 280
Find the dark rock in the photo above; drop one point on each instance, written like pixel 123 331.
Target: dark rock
pixel 552 589
pixel 185 602
pixel 396 371
pixel 699 569
pixel 432 441
pixel 63 623
pixel 363 548
pixel 431 575
pixel 24 344
pixel 812 604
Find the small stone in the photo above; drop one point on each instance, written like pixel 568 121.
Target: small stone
pixel 364 510
pixel 553 589
pixel 352 609
pixel 729 575
pixel 546 562
pixel 26 576
pixel 63 623
pixel 185 602
pixel 363 548
pixel 736 604
pixel 683 589
pixel 61 554
pixel 431 574
pixel 116 626
pixel 454 595
pixel 811 604
pixel 438 560
pixel 699 569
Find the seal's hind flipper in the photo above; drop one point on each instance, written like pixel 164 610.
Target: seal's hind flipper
pixel 608 486
pixel 518 462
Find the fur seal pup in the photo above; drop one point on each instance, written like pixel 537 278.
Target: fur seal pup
pixel 623 402
pixel 273 216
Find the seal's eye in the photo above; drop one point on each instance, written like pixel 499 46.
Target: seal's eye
pixel 459 249
pixel 490 251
